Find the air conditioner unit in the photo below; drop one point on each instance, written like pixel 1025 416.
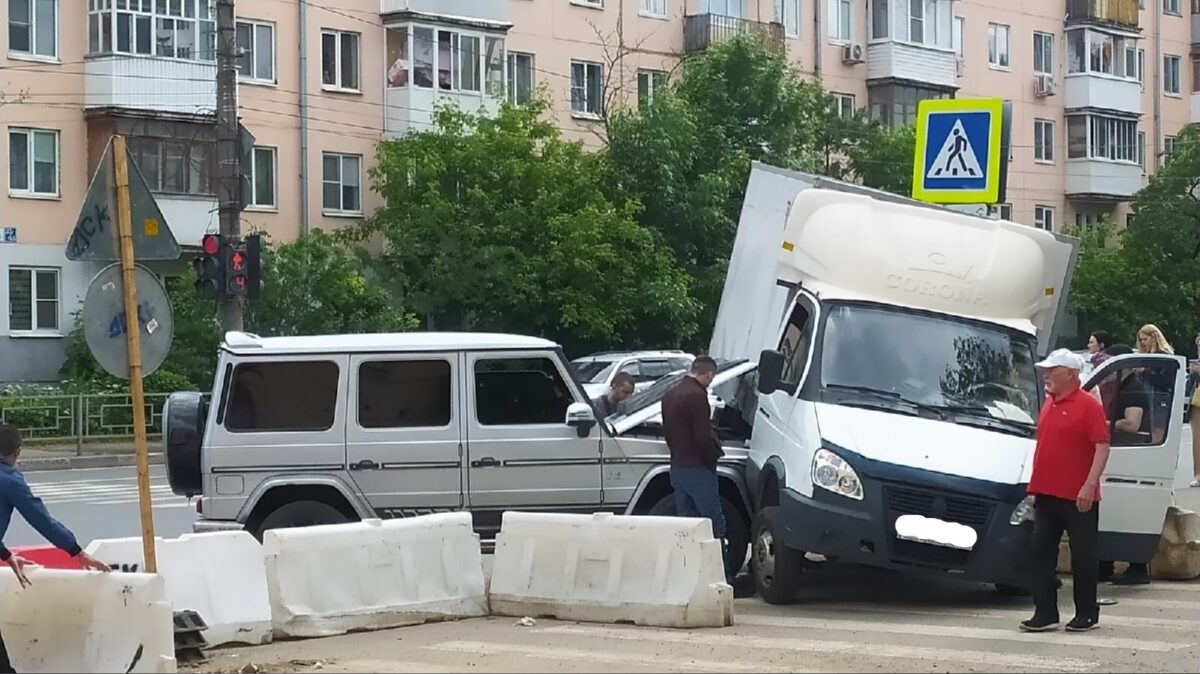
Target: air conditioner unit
pixel 852 54
pixel 1044 85
pixel 960 67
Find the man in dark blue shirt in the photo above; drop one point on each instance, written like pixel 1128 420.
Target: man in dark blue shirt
pixel 16 495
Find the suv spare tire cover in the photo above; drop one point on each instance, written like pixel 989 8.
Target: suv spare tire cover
pixel 183 433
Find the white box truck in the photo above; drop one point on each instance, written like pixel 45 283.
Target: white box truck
pixel 897 400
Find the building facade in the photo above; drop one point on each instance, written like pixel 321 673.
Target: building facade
pixel 1100 89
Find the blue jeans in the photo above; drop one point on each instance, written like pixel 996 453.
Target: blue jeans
pixel 697 495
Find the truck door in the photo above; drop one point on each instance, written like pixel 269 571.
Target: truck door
pixel 403 432
pixel 771 429
pixel 1137 486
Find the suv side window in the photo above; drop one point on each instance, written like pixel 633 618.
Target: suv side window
pixel 794 345
pixel 404 394
pixel 284 395
pixel 678 364
pixel 520 392
pixel 653 370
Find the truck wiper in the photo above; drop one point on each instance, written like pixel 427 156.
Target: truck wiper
pixel 881 393
pixel 983 411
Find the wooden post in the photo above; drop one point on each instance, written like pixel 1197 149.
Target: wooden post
pixel 133 343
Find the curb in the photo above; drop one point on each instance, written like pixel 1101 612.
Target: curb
pixel 74 462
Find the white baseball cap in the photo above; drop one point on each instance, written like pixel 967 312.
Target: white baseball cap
pixel 1062 358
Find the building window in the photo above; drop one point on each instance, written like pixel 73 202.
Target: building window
pixel 960 29
pixel 256 42
pixel 1141 141
pixel 649 81
pixel 731 8
pixel 896 104
pixel 1043 140
pixel 1090 51
pixel 262 177
pixel 1043 53
pixel 342 183
pixel 33 300
pixel 182 29
pixel 1172 69
pixel 177 166
pixel 998 35
pixel 1169 145
pixel 1004 211
pixel 1098 137
pixel 654 8
pixel 1043 217
pixel 339 60
pixel 928 22
pixel 587 89
pixel 879 19
pixel 33 162
pixel 843 105
pixel 520 78
pixel 787 13
pixel 589 3
pixel 841 20
pixel 1141 68
pixel 1172 7
pixel 1196 70
pixel 33 27
pixel 1087 222
pixel 398 62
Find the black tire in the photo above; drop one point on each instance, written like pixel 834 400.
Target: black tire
pixel 300 514
pixel 186 414
pixel 737 529
pixel 777 568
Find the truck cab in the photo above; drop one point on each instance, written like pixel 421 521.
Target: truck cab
pixel 897 396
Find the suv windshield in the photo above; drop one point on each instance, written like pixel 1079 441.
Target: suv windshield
pixel 958 367
pixel 592 371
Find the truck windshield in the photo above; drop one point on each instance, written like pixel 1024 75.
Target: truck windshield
pixel 958 367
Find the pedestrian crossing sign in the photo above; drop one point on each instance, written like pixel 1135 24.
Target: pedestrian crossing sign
pixel 958 151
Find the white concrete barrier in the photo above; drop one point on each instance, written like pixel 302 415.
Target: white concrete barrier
pixel 657 571
pixel 222 576
pixel 85 621
pixel 331 579
pixel 1178 555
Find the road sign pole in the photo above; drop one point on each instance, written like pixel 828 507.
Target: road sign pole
pixel 133 344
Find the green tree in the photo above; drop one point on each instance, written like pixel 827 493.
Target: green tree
pixel 880 156
pixel 497 223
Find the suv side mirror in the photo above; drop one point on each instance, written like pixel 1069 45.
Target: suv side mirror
pixel 770 372
pixel 582 417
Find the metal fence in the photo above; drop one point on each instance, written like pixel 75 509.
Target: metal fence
pixel 79 419
pixel 702 30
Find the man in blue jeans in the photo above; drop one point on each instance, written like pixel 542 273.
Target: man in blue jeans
pixel 695 450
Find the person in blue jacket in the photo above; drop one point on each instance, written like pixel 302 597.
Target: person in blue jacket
pixel 16 495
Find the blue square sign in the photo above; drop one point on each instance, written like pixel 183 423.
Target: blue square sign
pixel 958 147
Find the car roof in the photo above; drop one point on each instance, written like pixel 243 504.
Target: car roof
pixel 612 356
pixel 246 343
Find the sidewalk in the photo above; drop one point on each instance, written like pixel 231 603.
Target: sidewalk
pixel 36 458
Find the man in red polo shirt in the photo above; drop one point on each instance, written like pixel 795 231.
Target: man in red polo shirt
pixel 1072 450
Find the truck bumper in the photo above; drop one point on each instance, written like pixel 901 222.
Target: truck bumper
pixel 863 532
pixel 211 526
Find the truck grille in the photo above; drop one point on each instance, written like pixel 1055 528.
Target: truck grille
pixel 975 513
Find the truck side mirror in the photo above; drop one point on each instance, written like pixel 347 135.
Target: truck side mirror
pixel 582 417
pixel 770 372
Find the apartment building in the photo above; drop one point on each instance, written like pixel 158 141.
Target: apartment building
pixel 1100 88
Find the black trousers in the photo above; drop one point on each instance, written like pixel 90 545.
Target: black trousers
pixel 1053 516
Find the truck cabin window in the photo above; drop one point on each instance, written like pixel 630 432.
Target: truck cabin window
pixel 520 392
pixel 899 360
pixel 292 396
pixel 1137 401
pixel 794 347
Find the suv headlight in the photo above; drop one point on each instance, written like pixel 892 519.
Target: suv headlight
pixel 830 472
pixel 1023 512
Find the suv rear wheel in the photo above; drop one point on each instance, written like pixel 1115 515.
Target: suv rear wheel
pixel 300 514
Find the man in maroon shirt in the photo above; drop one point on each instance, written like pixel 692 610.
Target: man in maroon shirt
pixel 695 450
pixel 1072 450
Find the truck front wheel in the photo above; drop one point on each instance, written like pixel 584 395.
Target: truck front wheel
pixel 776 567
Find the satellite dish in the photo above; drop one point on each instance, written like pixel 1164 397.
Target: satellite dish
pixel 104 320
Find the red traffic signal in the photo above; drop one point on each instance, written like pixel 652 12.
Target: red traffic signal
pixel 211 244
pixel 238 261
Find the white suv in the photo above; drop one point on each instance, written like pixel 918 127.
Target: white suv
pixel 596 371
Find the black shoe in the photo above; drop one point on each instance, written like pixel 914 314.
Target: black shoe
pixel 1133 576
pixel 1082 624
pixel 1039 624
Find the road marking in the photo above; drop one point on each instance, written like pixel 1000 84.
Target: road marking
pixel 887 651
pixel 957 632
pixel 625 658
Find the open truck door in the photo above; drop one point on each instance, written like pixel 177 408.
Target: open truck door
pixel 1137 487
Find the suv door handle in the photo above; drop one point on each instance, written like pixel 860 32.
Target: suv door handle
pixel 365 464
pixel 485 462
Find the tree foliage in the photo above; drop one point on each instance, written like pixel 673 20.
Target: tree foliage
pixel 1149 272
pixel 497 223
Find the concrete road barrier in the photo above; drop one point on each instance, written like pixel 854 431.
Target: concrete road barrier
pixel 84 621
pixel 331 579
pixel 656 571
pixel 222 576
pixel 1178 555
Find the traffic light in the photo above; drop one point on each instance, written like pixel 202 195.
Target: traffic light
pixel 236 267
pixel 254 267
pixel 209 268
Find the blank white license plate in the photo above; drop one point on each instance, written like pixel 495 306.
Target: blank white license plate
pixel 933 531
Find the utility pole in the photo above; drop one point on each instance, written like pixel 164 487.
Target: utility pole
pixel 228 151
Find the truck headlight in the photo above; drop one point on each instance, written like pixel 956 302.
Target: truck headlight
pixel 830 472
pixel 1023 512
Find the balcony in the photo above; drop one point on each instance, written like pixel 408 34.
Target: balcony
pixel 1102 180
pixel 150 83
pixel 1083 91
pixel 910 62
pixel 702 30
pixel 1121 13
pixel 485 11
